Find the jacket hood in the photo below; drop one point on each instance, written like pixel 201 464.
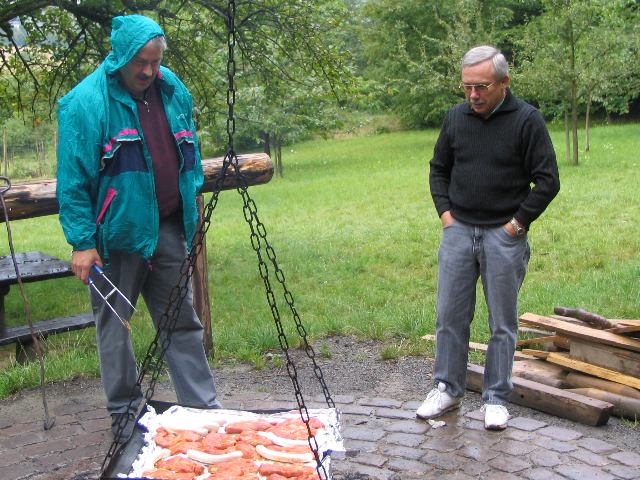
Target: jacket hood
pixel 128 35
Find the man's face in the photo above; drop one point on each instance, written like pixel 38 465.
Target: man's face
pixel 139 73
pixel 483 101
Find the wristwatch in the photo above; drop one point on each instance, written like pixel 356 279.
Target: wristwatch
pixel 520 230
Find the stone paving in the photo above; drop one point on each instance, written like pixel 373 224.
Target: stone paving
pixel 383 440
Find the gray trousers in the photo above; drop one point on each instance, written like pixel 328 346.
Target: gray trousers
pixel 189 370
pixel 467 252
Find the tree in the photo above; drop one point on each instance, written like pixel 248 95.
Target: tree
pixel 587 45
pixel 65 40
pixel 414 48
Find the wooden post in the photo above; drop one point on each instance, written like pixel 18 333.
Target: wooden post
pixel 5 158
pixel 200 284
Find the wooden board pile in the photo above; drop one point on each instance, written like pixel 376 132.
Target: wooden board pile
pixel 585 368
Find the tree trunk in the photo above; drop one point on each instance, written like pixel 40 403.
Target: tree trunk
pixel 55 144
pixel 277 145
pixel 574 96
pixel 5 157
pixel 567 136
pixel 586 124
pixel 266 141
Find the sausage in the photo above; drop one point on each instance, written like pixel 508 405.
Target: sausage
pixel 286 457
pixel 209 458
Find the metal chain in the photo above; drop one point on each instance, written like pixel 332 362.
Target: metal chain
pixel 156 351
pixel 259 241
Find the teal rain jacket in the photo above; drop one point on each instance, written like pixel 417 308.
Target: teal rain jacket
pixel 105 185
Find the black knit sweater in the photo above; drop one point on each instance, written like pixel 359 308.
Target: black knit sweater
pixel 488 170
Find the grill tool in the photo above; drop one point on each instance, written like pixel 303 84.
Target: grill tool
pixel 108 284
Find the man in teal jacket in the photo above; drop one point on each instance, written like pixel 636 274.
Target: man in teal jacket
pixel 128 174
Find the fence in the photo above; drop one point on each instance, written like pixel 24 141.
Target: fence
pixel 25 160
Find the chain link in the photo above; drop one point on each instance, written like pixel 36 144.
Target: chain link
pixel 258 236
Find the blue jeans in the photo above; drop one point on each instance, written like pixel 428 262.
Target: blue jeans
pixel 500 260
pixel 188 366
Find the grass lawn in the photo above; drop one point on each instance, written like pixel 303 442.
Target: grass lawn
pixel 356 235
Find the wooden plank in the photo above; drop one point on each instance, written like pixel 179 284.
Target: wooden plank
pixel 535 331
pixel 549 399
pixel 625 329
pixel 580 380
pixel 578 331
pixel 536 353
pixel 575 321
pixel 553 342
pixel 22 334
pixel 482 348
pixel 38 197
pixel 33 266
pixel 537 340
pixel 606 356
pixel 566 361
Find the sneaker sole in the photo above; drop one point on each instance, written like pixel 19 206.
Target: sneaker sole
pixel 429 417
pixel 495 427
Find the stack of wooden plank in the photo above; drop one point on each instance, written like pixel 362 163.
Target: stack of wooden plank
pixel 587 367
pixel 586 354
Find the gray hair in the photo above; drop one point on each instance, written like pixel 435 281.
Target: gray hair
pixel 486 52
pixel 160 42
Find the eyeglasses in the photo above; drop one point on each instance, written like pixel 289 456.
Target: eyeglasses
pixel 479 87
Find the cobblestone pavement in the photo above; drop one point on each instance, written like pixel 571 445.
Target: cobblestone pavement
pixel 382 437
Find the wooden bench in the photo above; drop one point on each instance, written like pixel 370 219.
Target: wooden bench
pixel 34 267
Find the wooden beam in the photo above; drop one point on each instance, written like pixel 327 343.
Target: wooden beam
pixel 568 362
pixel 482 348
pixel 38 198
pixel 547 399
pixel 200 286
pixel 538 370
pixel 578 331
pixel 624 407
pixel 580 380
pixel 617 359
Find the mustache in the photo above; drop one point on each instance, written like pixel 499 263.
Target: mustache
pixel 143 77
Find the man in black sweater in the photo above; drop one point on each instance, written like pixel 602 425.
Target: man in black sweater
pixel 492 174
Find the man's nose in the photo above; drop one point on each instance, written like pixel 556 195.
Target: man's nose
pixel 147 70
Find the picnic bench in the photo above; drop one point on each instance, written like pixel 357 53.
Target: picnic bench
pixel 34 267
pixel 37 198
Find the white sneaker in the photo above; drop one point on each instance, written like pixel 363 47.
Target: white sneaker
pixel 438 401
pixel 495 417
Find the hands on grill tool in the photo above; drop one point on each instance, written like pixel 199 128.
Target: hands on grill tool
pixel 113 290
